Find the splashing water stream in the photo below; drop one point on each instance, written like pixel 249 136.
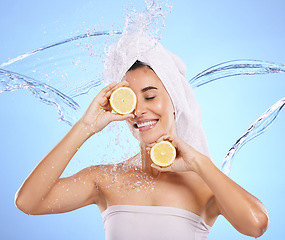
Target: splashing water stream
pixel 257 128
pixel 235 68
pixel 82 36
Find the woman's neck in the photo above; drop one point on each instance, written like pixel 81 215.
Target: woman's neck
pixel 146 162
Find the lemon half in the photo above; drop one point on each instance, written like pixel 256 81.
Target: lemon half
pixel 123 100
pixel 163 154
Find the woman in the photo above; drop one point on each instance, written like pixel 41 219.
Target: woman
pixel 142 200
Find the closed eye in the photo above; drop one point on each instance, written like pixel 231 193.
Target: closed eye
pixel 149 98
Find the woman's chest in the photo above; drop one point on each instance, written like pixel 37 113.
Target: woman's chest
pixel 175 190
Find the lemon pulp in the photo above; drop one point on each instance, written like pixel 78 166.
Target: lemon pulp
pixel 123 100
pixel 163 153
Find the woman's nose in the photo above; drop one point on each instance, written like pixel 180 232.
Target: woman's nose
pixel 140 109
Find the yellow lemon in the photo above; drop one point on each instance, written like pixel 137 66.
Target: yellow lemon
pixel 163 154
pixel 123 100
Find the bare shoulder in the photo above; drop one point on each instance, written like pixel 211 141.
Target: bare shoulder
pixel 98 174
pixel 105 177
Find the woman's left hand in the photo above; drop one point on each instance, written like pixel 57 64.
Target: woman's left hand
pixel 186 156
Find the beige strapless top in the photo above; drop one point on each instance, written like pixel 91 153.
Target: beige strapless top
pixel 127 222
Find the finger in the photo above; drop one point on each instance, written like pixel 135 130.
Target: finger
pixel 119 117
pixel 165 138
pixel 107 91
pixel 123 83
pixel 151 145
pixel 161 169
pixel 175 142
pixel 100 97
pixel 116 86
pixel 108 88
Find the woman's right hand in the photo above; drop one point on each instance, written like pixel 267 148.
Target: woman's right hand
pixel 99 113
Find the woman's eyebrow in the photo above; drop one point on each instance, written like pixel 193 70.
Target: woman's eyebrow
pixel 148 88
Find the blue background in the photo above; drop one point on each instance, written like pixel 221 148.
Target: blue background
pixel 202 33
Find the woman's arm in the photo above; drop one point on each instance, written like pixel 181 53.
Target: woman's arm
pixel 245 212
pixel 43 188
pixel 43 192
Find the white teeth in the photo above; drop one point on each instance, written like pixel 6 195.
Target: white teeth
pixel 144 124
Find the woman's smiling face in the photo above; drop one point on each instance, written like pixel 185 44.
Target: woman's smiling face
pixel 154 112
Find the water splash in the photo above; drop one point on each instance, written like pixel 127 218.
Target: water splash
pixel 236 68
pixel 257 128
pixel 127 177
pixel 55 92
pixel 139 28
pixel 151 20
pixel 11 81
pixel 85 88
pixel 60 88
pixel 82 36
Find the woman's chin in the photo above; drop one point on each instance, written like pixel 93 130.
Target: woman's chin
pixel 148 138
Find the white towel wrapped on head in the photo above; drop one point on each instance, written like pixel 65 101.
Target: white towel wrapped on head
pixel 171 71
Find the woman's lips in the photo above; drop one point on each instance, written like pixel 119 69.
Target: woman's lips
pixel 145 125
